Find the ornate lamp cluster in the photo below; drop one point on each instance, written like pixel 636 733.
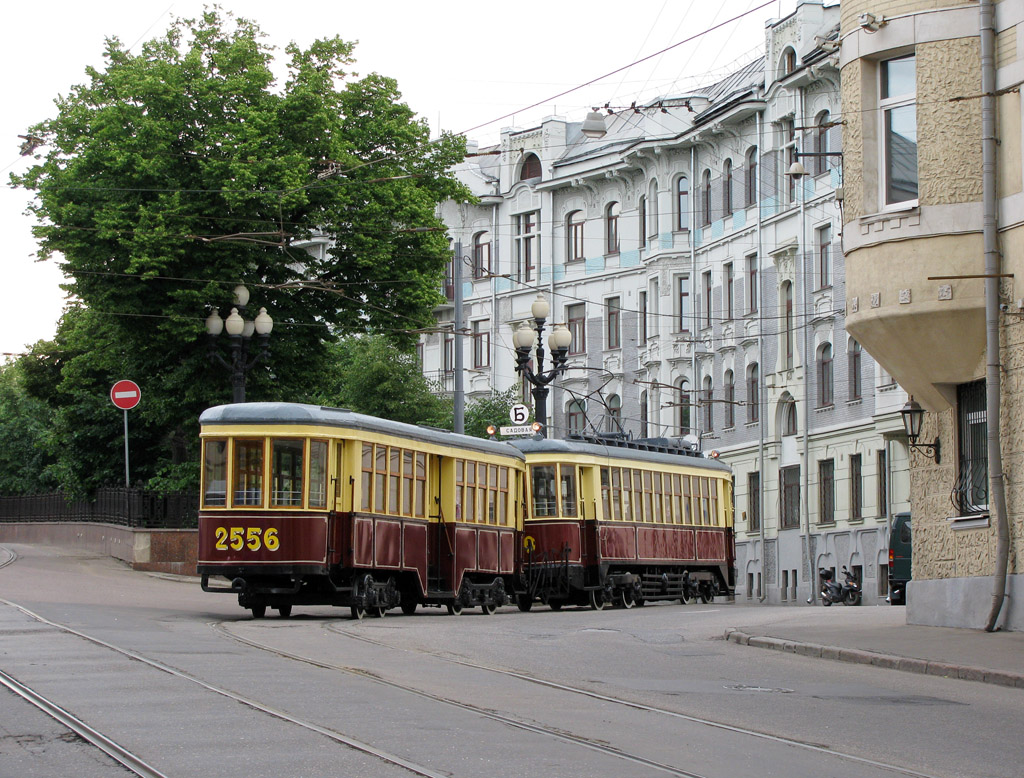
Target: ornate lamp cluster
pixel 529 339
pixel 239 333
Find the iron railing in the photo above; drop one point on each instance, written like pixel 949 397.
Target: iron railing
pixel 125 507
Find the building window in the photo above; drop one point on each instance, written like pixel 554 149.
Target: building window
pixel 786 293
pixel 727 187
pixel 642 220
pixel 574 234
pixel 531 168
pixel 753 393
pixel 449 353
pixel 855 370
pixel 729 390
pixel 705 204
pixel 789 490
pixel 789 422
pixel 856 488
pixel 825 256
pixel 754 501
pixel 751 182
pixel 682 203
pixel 752 290
pixel 707 404
pixel 527 226
pixel 882 467
pixel 727 290
pixel 707 298
pixel 788 131
pixel 644 415
pixel 481 255
pixel 683 403
pixel 683 303
pixel 821 136
pixel 576 417
pixel 642 302
pixel 652 209
pixel 613 330
pixel 482 343
pixel 827 491
pixel 825 371
pixel 611 228
pixel 898 95
pixel 576 317
pixel 788 61
pixel 971 489
pixel 614 414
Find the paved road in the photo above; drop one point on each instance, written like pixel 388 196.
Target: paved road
pixel 649 691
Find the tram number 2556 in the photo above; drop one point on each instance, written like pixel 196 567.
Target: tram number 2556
pixel 238 538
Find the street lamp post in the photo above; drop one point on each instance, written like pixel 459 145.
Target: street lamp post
pixel 239 333
pixel 524 339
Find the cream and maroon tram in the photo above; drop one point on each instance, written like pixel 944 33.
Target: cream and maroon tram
pixel 307 505
pixel 615 521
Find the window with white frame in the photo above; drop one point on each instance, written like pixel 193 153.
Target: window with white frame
pixel 825 376
pixel 728 287
pixel 526 230
pixel 683 303
pixel 753 393
pixel 855 369
pixel 642 304
pixel 574 234
pixel 825 256
pixel 706 276
pixel 682 203
pixel 751 177
pixel 897 104
pixel 641 211
pixel 576 416
pixel 821 143
pixel 752 290
pixel 683 405
pixel 613 324
pixel 729 399
pixel 576 318
pixel 708 405
pixel 705 198
pixel 482 343
pixel 611 228
pixel 481 255
pixel 614 413
pixel 727 179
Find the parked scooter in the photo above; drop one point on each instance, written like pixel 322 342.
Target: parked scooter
pixel 831 591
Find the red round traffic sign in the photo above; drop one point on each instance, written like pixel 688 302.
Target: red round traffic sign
pixel 125 394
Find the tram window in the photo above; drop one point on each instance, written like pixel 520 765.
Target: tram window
pixel 568 473
pixel 286 472
pixel 638 496
pixel 677 499
pixel 659 499
pixel 394 479
pixel 469 505
pixel 380 474
pixel 631 501
pixel 606 504
pixel 248 472
pixel 687 500
pixel 215 473
pixel 318 474
pixel 408 483
pixel 649 496
pixel 616 494
pixel 545 497
pixel 367 483
pixel 421 484
pixel 705 514
pixel 713 502
pixel 503 496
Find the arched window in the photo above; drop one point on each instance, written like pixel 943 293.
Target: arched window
pixel 787 64
pixel 729 390
pixel 683 403
pixel 530 168
pixel 652 209
pixel 786 303
pixel 821 135
pixel 708 406
pixel 576 417
pixel 614 413
pixel 753 393
pixel 788 422
pixel 727 187
pixel 705 205
pixel 644 415
pixel 825 376
pixel 855 369
pixel 481 255
pixel 751 179
pixel 574 236
pixel 611 228
pixel 641 210
pixel 682 203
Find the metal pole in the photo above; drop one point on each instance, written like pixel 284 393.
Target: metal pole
pixel 126 479
pixel 459 411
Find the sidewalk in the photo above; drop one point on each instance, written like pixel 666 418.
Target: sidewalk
pixel 974 655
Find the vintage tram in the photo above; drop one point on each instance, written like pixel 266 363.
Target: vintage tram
pixel 308 505
pixel 612 520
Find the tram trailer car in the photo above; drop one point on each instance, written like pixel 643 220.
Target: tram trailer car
pixel 308 505
pixel 612 521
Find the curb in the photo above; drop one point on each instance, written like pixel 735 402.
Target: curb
pixel 878 659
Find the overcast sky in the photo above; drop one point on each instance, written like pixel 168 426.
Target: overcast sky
pixel 462 65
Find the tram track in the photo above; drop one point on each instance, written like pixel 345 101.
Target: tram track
pixel 338 628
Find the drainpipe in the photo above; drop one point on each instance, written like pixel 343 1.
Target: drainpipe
pixel 694 314
pixel 761 404
pixel 459 404
pixel 992 267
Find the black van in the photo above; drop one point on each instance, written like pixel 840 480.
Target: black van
pixel 899 558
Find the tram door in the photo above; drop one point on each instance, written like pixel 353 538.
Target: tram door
pixel 443 559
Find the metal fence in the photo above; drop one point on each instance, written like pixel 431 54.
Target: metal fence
pixel 124 507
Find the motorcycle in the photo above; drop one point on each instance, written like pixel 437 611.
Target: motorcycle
pixel 831 591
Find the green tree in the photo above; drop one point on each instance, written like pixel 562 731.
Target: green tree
pixel 176 173
pixel 487 411
pixel 24 428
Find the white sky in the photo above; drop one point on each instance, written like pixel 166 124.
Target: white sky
pixel 458 63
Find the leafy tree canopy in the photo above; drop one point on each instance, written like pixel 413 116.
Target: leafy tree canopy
pixel 176 173
pixel 24 464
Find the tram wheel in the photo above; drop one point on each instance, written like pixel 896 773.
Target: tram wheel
pixel 377 611
pixel 455 608
pixel 488 608
pixel 524 602
pixel 258 611
pixel 597 600
pixel 409 607
pixel 285 611
pixel 626 599
pixel 358 612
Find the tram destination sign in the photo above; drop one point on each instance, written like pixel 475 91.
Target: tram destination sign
pixel 517 429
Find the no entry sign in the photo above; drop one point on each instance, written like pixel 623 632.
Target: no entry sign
pixel 125 394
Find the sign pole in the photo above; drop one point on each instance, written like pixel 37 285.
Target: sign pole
pixel 125 395
pixel 126 479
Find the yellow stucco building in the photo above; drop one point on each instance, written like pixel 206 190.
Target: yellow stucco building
pixel 914 215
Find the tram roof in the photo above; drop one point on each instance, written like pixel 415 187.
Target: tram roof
pixel 274 413
pixel 643 450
